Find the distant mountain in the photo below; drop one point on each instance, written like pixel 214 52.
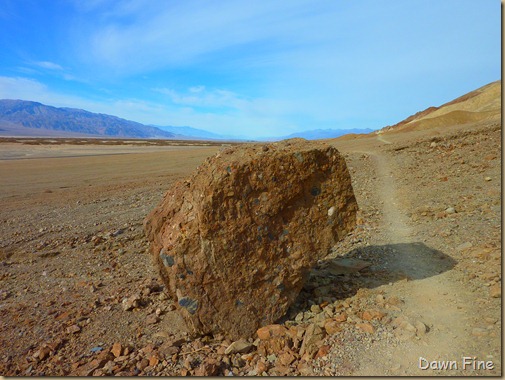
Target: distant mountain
pixel 317 134
pixel 480 105
pixel 192 132
pixel 27 118
pixel 22 118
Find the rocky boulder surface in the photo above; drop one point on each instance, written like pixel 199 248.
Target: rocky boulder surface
pixel 235 241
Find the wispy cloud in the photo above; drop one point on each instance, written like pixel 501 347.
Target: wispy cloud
pixel 199 96
pixel 258 122
pixel 137 35
pixel 21 88
pixel 48 65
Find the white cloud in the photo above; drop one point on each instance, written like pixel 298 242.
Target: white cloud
pixel 198 96
pixel 21 88
pixel 134 36
pixel 197 89
pixel 48 65
pixel 253 119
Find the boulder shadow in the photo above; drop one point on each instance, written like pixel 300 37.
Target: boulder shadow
pixel 368 267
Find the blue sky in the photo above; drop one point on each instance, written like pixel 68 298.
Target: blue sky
pixel 250 68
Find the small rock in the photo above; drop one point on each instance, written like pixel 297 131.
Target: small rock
pixel 491 320
pixel 42 353
pixel 408 327
pixel 395 301
pixel 315 309
pixel 131 302
pixel 152 319
pixel 342 317
pixel 97 349
pixel 464 246
pixel 495 291
pixel 450 210
pixel 332 327
pixel 349 265
pixel 261 367
pixel 404 334
pixel 240 346
pixel 487 179
pixel 369 315
pixel 366 327
pixel 270 331
pixel 117 232
pixel 116 349
pixel 153 361
pixel 477 331
pixel 176 342
pixel 207 369
pixel 141 365
pixel 421 328
pixel 88 368
pixel 272 358
pixel 286 358
pixel 312 340
pixel 323 351
pixel 73 329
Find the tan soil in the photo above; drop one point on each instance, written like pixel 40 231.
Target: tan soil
pixel 73 248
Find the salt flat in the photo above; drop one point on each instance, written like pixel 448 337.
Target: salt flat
pixel 13 151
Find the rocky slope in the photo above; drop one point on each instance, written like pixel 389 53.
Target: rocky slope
pixel 481 105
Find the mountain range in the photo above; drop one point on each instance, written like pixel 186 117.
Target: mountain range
pixel 20 118
pixel 318 134
pixel 26 118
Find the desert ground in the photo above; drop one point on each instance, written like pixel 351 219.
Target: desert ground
pixel 80 295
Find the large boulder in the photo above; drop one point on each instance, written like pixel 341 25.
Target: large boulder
pixel 235 241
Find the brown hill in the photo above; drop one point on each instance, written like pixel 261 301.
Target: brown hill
pixel 481 105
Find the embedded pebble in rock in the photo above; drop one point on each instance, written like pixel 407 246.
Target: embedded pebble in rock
pixel 234 242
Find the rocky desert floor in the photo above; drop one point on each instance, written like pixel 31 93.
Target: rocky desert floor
pixel 80 295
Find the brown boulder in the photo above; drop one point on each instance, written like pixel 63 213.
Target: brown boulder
pixel 235 241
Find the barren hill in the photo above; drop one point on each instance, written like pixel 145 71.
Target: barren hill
pixel 481 105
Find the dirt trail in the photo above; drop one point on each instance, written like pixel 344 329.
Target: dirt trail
pixel 439 301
